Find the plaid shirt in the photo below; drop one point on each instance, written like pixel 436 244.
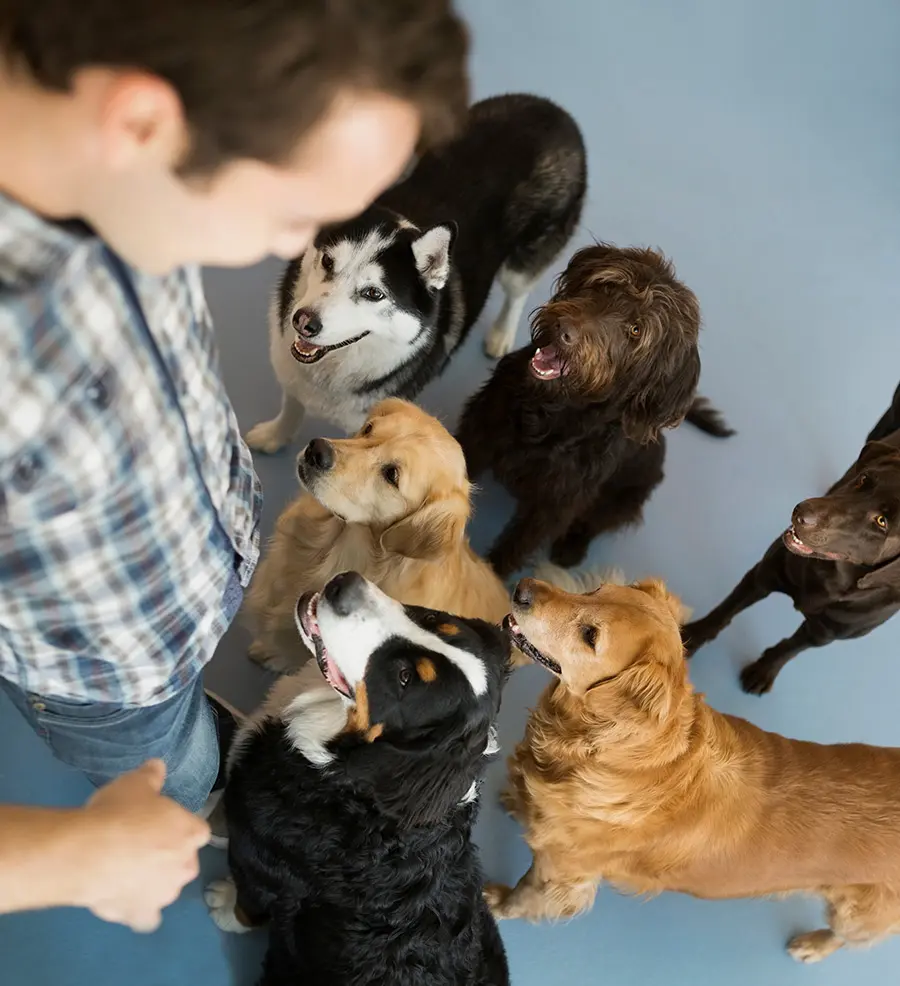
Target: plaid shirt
pixel 128 499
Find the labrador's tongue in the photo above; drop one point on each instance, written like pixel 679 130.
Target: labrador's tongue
pixel 545 363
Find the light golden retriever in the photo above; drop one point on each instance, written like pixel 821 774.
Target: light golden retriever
pixel 626 775
pixel 391 503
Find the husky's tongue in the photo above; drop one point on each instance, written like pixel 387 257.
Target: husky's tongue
pixel 545 364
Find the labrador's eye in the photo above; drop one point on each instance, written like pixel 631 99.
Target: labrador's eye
pixel 405 677
pixel 862 481
pixel 589 636
pixel 391 474
pixel 881 521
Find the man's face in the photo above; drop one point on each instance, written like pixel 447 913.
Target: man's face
pixel 157 219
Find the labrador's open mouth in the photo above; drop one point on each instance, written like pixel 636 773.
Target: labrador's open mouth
pixel 527 647
pixel 307 352
pixel 309 631
pixel 793 543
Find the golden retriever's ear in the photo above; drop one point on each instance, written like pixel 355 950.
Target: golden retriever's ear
pixel 657 589
pixel 431 531
pixel 649 686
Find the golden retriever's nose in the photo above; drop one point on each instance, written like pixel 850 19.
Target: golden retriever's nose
pixel 319 455
pixel 523 596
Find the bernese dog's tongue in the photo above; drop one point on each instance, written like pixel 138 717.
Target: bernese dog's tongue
pixel 545 364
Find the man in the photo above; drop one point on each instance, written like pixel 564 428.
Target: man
pixel 139 140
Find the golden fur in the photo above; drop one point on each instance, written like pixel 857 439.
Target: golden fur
pixel 409 539
pixel 626 775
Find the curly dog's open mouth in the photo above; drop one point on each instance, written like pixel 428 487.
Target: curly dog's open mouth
pixel 546 364
pixel 527 647
pixel 307 352
pixel 307 608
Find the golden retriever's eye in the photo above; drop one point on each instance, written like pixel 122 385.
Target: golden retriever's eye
pixel 405 677
pixel 371 294
pixel 589 636
pixel 634 331
pixel 881 521
pixel 391 474
pixel 327 263
pixel 367 429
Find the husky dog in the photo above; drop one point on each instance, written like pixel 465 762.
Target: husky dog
pixel 377 305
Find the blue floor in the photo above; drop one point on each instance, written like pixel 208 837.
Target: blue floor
pixel 758 143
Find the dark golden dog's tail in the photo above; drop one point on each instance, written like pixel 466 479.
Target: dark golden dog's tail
pixel 704 416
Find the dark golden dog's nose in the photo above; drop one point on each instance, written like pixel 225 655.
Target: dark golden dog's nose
pixel 523 596
pixel 319 455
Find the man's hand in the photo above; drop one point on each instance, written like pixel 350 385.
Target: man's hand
pixel 136 849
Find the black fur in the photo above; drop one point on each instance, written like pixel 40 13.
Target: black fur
pixel 842 597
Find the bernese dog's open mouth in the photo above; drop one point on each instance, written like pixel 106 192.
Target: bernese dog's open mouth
pixel 527 647
pixel 309 630
pixel 546 364
pixel 305 351
pixel 793 543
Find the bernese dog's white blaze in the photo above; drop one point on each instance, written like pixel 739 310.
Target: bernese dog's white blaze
pixel 349 641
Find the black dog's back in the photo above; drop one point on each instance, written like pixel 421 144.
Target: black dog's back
pixel 514 182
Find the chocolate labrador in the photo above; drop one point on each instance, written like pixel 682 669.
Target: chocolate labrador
pixel 839 561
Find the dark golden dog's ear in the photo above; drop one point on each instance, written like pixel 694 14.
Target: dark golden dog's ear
pixel 664 398
pixel 657 589
pixel 431 530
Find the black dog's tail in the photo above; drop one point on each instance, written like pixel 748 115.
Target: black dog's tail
pixel 704 416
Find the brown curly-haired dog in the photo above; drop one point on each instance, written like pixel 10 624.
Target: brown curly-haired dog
pixel 570 425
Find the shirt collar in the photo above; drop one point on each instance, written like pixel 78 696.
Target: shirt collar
pixel 30 245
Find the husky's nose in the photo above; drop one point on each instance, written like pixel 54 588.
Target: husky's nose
pixel 345 592
pixel 319 455
pixel 307 322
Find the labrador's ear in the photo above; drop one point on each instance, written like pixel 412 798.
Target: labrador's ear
pixel 886 575
pixel 874 450
pixel 431 531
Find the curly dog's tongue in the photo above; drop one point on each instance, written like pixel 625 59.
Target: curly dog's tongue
pixel 545 363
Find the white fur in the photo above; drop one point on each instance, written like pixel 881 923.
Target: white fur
pixel 502 334
pixel 432 253
pixel 221 899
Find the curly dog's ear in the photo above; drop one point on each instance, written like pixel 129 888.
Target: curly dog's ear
pixel 663 398
pixel 431 530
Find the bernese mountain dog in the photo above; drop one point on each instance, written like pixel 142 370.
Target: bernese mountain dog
pixel 352 794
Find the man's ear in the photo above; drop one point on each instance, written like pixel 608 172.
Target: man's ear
pixel 431 531
pixel 432 255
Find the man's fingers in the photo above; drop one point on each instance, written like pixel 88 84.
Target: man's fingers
pixel 153 772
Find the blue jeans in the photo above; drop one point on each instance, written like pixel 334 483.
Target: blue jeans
pixel 105 740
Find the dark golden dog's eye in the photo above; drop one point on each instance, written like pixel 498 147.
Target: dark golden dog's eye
pixel 327 263
pixel 589 636
pixel 405 677
pixel 367 429
pixel 391 474
pixel 372 294
pixel 881 521
pixel 634 331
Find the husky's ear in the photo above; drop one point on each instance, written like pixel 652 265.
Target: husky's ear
pixel 432 255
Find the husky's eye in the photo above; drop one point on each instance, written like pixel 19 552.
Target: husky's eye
pixel 405 677
pixel 372 294
pixel 327 263
pixel 391 474
pixel 589 636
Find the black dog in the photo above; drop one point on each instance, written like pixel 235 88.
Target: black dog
pixel 839 561
pixel 571 425
pixel 351 800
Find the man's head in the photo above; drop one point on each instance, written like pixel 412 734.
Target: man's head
pixel 219 131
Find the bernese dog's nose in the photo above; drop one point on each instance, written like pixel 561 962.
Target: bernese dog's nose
pixel 307 322
pixel 523 597
pixel 319 455
pixel 345 592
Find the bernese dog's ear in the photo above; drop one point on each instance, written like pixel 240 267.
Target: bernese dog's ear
pixel 420 780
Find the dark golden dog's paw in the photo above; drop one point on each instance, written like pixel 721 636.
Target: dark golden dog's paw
pixel 496 895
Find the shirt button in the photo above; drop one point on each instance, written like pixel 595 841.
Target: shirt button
pixel 98 393
pixel 38 706
pixel 26 471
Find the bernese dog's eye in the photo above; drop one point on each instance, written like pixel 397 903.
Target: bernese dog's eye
pixel 881 521
pixel 405 677
pixel 327 263
pixel 391 474
pixel 372 294
pixel 589 635
pixel 634 331
pixel 367 429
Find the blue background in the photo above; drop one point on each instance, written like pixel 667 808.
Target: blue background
pixel 757 142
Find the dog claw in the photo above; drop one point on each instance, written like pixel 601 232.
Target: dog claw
pixel 757 678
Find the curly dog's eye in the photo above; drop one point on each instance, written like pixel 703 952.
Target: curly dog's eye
pixel 391 474
pixel 367 429
pixel 327 263
pixel 634 331
pixel 589 636
pixel 405 677
pixel 881 521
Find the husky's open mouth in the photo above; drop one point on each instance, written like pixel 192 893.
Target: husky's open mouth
pixel 309 630
pixel 307 352
pixel 527 647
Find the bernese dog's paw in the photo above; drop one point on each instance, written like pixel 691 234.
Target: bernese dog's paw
pixel 221 899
